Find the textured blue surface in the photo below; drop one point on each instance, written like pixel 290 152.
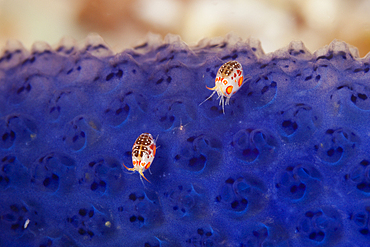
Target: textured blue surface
pixel 286 165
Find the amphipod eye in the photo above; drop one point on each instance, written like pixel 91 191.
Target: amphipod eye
pixel 228 80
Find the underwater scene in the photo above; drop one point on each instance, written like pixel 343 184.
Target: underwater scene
pixel 285 163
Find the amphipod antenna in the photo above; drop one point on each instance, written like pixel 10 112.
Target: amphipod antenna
pixel 214 91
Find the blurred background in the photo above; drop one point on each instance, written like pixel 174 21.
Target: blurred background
pixel 125 23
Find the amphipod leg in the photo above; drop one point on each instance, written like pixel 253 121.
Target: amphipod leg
pixel 142 175
pixel 222 102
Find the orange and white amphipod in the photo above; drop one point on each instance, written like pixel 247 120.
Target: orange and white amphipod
pixel 228 80
pixel 143 153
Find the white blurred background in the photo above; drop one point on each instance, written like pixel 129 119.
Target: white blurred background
pixel 125 23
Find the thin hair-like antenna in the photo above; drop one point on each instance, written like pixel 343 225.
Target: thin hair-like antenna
pixel 208 97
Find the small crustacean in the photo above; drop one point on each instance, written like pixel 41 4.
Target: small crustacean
pixel 143 153
pixel 228 80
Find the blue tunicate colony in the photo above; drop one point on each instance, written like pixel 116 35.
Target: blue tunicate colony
pixel 288 164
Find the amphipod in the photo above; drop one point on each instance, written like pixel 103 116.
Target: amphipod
pixel 143 153
pixel 228 80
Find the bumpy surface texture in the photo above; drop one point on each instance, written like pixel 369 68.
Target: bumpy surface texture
pixel 288 164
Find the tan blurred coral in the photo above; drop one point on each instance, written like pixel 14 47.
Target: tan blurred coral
pixel 124 23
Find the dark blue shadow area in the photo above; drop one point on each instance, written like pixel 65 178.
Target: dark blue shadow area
pixel 288 163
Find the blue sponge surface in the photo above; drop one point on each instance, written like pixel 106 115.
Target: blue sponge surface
pixel 288 164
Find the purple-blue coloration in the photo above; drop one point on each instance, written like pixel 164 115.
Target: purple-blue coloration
pixel 288 164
